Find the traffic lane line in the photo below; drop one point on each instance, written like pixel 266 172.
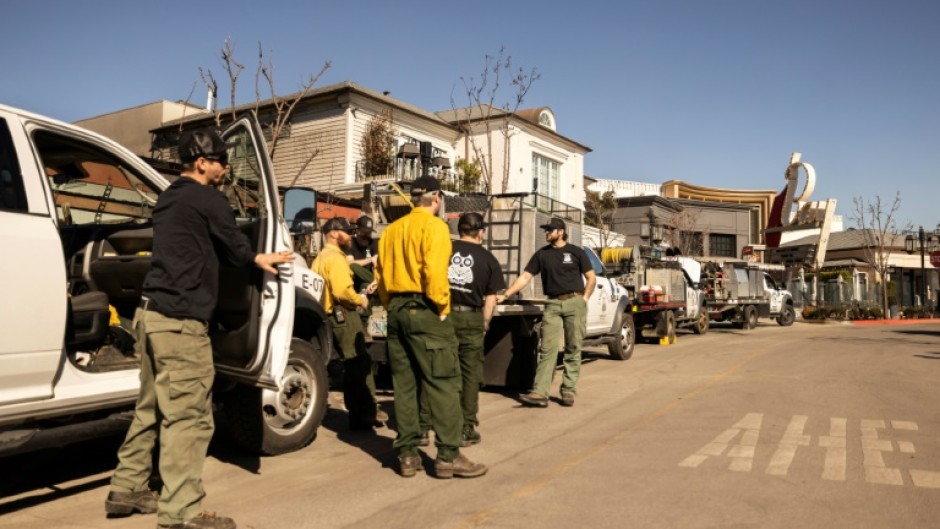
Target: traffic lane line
pixel 559 471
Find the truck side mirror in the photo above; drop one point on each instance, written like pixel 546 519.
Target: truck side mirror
pixel 300 210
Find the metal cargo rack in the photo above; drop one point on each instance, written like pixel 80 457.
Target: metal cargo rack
pixel 513 234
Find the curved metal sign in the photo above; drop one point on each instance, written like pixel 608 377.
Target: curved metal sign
pixel 792 176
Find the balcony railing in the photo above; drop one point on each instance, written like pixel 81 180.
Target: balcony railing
pixel 398 169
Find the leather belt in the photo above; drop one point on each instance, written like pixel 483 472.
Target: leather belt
pixel 411 295
pixel 569 295
pixel 464 308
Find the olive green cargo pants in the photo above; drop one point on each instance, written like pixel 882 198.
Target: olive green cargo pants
pixel 422 351
pixel 174 408
pixel 358 382
pixel 468 326
pixel 562 317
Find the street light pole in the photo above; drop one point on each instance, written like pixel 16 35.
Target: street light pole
pixel 923 242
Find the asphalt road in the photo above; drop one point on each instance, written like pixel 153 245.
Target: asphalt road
pixel 807 426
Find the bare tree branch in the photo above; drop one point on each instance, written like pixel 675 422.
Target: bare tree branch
pixel 234 69
pixel 481 106
pixel 877 223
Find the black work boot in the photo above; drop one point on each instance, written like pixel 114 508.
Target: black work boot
pixel 460 467
pixel 203 520
pixel 470 436
pixel 127 503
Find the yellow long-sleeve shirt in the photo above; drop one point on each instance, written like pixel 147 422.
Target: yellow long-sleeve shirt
pixel 332 266
pixel 414 253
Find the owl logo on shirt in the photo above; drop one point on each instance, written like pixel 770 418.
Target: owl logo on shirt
pixel 460 271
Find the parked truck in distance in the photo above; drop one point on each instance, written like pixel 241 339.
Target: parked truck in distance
pixel 664 292
pixel 742 292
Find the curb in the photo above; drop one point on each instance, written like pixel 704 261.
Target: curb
pixel 895 321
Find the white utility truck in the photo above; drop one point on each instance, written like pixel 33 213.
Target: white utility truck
pixel 76 233
pixel 664 292
pixel 742 292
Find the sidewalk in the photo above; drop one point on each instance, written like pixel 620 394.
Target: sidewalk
pixel 912 321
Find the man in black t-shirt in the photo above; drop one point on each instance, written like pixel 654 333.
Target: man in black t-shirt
pixel 568 281
pixel 363 252
pixel 475 277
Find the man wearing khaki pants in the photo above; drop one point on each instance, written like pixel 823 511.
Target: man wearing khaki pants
pixel 568 281
pixel 192 225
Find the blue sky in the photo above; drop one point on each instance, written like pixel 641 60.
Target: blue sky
pixel 715 93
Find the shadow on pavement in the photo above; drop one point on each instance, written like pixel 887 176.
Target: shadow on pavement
pixel 376 446
pixel 34 478
pixel 921 332
pixel 45 475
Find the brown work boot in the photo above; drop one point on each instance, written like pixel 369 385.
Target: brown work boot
pixel 409 466
pixel 567 399
pixel 203 520
pixel 534 399
pixel 127 503
pixel 460 467
pixel 381 416
pixel 424 439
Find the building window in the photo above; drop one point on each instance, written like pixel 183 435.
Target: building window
pixel 546 120
pixel 721 245
pixel 546 176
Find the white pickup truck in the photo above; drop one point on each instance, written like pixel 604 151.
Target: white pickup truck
pixel 76 234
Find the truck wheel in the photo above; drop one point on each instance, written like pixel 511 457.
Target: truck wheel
pixel 620 346
pixel 750 317
pixel 252 414
pixel 787 316
pixel 701 324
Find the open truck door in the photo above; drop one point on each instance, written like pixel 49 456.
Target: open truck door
pixel 252 320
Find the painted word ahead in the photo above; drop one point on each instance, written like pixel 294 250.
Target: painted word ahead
pixel 738 445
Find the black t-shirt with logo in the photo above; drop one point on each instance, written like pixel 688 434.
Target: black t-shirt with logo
pixel 364 252
pixel 562 269
pixel 473 274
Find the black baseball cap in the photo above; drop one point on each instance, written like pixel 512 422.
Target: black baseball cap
pixel 554 224
pixel 337 224
pixel 424 184
pixel 205 143
pixel 365 223
pixel 470 220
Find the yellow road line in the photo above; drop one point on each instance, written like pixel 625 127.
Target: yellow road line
pixel 562 468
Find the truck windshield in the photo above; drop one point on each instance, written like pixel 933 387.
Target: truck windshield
pixel 596 263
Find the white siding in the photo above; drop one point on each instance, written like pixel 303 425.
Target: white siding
pixel 314 132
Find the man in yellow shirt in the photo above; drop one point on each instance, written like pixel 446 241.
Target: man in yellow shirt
pixel 411 274
pixel 341 300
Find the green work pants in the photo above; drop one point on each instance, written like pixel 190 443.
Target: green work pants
pixel 422 352
pixel 358 382
pixel 566 317
pixel 468 326
pixel 174 408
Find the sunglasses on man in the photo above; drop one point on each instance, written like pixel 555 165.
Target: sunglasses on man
pixel 221 158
